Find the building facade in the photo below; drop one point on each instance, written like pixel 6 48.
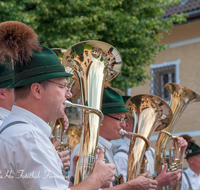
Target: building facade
pixel 179 63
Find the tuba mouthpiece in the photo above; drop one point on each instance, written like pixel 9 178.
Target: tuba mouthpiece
pixel 68 104
pixel 124 132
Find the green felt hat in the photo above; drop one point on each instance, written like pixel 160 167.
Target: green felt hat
pixel 43 66
pixel 192 150
pixel 112 102
pixel 6 75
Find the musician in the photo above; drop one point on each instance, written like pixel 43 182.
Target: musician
pixel 191 176
pixel 114 111
pixel 28 159
pixel 7 101
pixel 121 157
pixel 6 95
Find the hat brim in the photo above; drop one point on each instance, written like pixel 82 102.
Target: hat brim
pixel 192 154
pixel 6 83
pixel 114 110
pixel 39 78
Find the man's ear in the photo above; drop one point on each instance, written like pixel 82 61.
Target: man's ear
pixel 2 93
pixel 36 90
pixel 190 160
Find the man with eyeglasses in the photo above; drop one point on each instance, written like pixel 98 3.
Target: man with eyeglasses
pixel 7 101
pixel 191 176
pixel 63 86
pixel 28 159
pixel 164 178
pixel 114 111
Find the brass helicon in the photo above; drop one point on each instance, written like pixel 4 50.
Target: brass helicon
pixel 93 63
pixel 148 113
pixel 180 98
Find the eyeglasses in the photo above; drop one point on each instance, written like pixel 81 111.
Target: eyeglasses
pixel 63 86
pixel 120 120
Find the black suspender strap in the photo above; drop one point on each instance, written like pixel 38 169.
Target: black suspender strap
pixel 122 150
pixel 10 124
pixel 190 187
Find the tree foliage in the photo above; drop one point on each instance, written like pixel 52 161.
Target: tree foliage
pixel 131 26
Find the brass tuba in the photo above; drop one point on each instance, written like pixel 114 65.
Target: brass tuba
pixel 71 137
pixel 93 63
pixel 150 113
pixel 180 97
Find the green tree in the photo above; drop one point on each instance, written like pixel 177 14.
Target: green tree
pixel 131 26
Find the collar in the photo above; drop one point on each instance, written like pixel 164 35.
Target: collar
pixel 4 113
pixel 31 118
pixel 108 145
pixel 191 173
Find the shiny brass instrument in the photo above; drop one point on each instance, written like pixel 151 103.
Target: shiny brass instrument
pixel 180 98
pixel 70 80
pixel 68 138
pixel 150 113
pixel 93 63
pixel 71 137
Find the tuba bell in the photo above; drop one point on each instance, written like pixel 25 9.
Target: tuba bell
pixel 181 97
pixel 149 113
pixel 93 63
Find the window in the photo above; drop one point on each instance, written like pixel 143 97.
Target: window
pixel 167 72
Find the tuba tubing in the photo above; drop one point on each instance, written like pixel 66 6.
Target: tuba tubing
pixel 149 113
pixel 181 97
pixel 93 63
pixel 92 110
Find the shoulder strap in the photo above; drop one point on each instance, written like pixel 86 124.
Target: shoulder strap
pixel 10 124
pixel 190 187
pixel 122 150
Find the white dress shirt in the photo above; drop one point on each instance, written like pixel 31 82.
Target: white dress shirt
pixel 110 148
pixel 28 159
pixel 3 114
pixel 122 158
pixel 194 180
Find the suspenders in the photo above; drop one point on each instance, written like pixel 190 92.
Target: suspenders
pixel 122 150
pixel 190 187
pixel 10 124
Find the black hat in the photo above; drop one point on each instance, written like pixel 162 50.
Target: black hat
pixel 194 149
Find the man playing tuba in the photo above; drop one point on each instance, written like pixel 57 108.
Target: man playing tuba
pixel 121 157
pixel 28 159
pixel 114 112
pixel 7 101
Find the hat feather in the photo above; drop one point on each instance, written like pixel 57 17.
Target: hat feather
pixel 18 41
